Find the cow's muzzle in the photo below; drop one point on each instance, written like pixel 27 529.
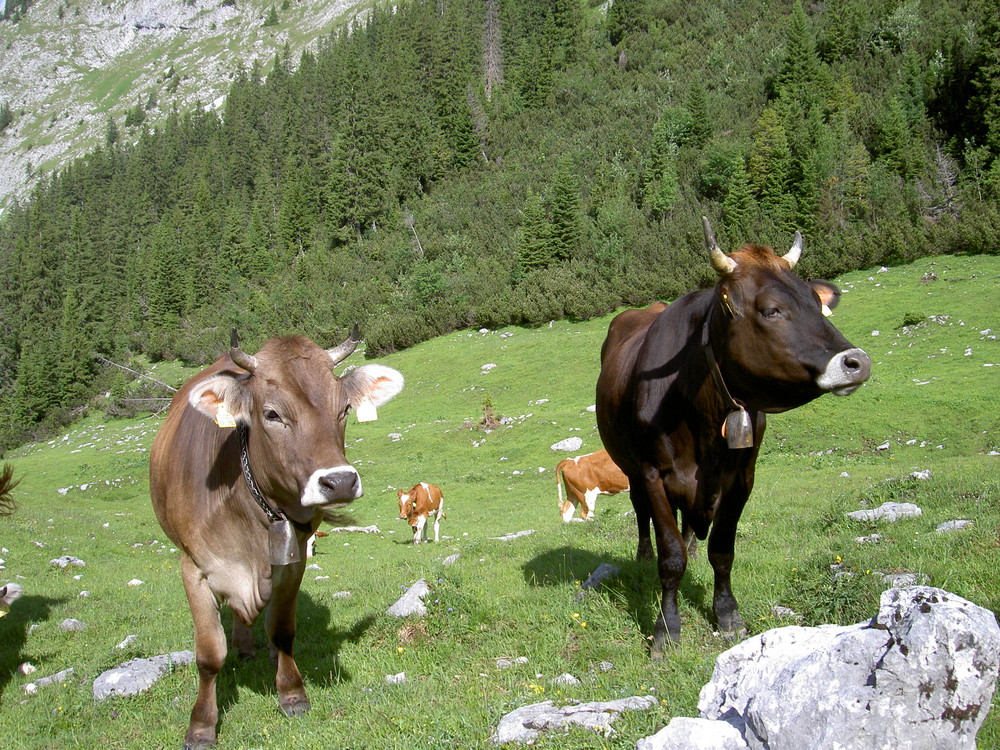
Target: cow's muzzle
pixel 331 486
pixel 845 372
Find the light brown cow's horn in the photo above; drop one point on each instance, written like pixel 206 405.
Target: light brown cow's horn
pixel 339 353
pixel 247 361
pixel 722 263
pixel 793 255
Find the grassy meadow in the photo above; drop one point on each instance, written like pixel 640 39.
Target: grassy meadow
pixel 931 404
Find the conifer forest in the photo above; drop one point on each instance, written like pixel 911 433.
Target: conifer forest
pixel 456 163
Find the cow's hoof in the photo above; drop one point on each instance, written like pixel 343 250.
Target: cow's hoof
pixel 732 628
pixel 661 645
pixel 295 705
pixel 199 743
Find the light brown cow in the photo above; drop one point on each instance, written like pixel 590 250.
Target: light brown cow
pixel 225 496
pixel 585 478
pixel 416 505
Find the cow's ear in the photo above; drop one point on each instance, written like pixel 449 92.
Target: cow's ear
pixel 375 383
pixel 829 294
pixel 218 393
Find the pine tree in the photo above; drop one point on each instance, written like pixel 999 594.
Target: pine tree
pixel 535 248
pixel 769 166
pixel 665 189
pixel 739 205
pixel 701 122
pixel 566 231
pixel 798 75
pixel 986 81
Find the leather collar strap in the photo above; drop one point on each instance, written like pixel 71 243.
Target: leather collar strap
pixel 713 366
pixel 273 514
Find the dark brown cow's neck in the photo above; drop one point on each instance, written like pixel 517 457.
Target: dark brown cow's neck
pixel 736 425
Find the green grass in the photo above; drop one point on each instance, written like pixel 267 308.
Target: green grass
pixel 522 597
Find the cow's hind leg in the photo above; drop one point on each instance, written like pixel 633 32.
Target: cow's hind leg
pixel 640 502
pixel 242 639
pixel 280 625
pixel 210 653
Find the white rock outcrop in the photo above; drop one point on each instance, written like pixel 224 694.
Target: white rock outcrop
pixel 920 675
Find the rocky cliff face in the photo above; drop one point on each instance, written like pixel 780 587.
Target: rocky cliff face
pixel 69 67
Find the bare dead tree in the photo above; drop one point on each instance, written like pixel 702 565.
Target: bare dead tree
pixel 492 49
pixel 411 224
pixel 108 362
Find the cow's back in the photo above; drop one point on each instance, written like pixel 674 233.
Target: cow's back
pixel 193 470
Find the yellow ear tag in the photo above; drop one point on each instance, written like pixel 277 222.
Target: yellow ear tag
pixel 222 416
pixel 827 311
pixel 366 411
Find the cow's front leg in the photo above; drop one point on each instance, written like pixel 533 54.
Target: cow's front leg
pixel 721 546
pixel 671 563
pixel 210 653
pixel 280 625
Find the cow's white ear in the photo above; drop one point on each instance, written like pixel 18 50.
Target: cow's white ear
pixel 375 383
pixel 218 398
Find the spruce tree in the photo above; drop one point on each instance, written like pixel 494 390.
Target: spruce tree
pixel 566 230
pixel 535 247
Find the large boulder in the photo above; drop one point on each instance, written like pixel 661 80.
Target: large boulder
pixel 920 675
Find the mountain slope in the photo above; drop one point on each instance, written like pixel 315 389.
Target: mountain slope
pixel 68 68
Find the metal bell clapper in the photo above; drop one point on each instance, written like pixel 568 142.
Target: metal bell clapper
pixel 282 545
pixel 738 430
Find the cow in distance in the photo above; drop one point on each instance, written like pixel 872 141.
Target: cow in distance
pixel 585 477
pixel 418 504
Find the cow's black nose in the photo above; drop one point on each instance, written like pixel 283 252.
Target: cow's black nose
pixel 340 485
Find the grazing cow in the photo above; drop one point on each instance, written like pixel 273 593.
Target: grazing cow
pixel 585 478
pixel 682 397
pixel 241 503
pixel 417 504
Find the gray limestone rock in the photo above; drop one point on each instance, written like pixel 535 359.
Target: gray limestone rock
pixel 920 675
pixel 138 675
pixel 412 602
pixel 525 724
pixel 889 512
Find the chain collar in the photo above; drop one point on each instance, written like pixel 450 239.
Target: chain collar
pixel 273 515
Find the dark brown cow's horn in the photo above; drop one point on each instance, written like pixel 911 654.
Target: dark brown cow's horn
pixel 247 361
pixel 339 353
pixel 722 263
pixel 793 255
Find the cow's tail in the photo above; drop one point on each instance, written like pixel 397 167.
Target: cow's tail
pixel 7 485
pixel 559 484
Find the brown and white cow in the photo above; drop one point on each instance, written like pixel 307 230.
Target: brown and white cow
pixel 417 505
pixel 675 381
pixel 219 493
pixel 586 477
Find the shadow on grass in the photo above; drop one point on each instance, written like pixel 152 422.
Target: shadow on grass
pixel 637 585
pixel 14 631
pixel 317 643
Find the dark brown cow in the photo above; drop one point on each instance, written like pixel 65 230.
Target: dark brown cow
pixel 673 382
pixel 288 410
pixel 586 477
pixel 416 505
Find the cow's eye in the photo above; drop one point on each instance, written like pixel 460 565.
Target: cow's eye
pixel 271 415
pixel 770 313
